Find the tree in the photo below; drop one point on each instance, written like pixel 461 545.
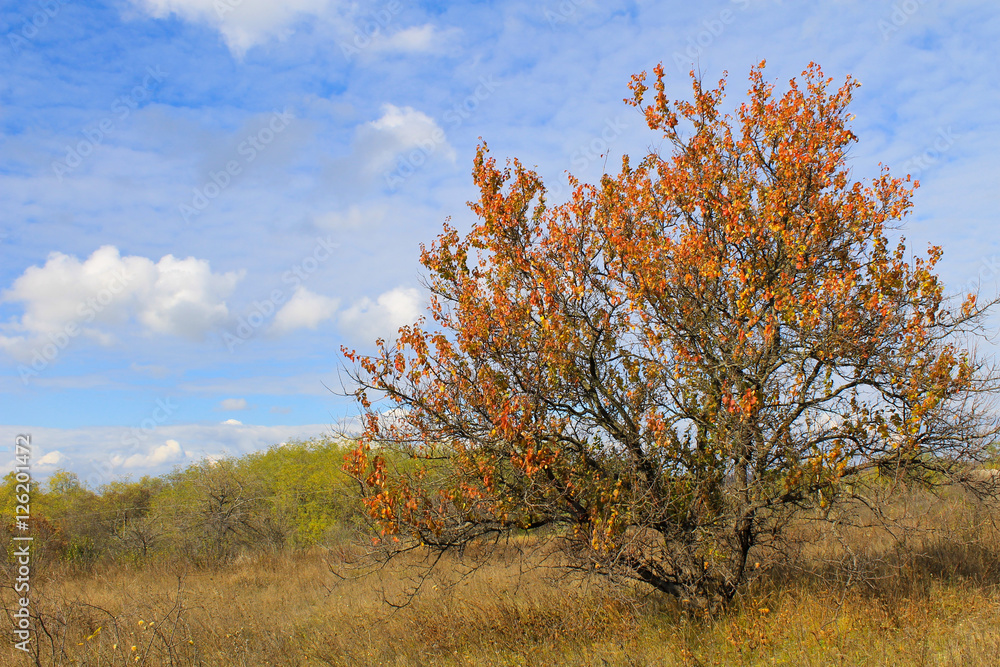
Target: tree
pixel 213 511
pixel 126 515
pixel 75 511
pixel 666 368
pixel 233 511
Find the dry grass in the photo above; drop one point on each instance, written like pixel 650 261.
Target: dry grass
pixel 856 600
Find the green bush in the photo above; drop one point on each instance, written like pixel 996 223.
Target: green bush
pixel 291 496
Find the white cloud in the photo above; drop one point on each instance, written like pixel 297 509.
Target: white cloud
pixel 66 290
pixel 187 298
pixel 401 130
pixel 50 459
pixel 99 453
pixel 242 23
pixel 305 310
pixel 168 452
pixel 407 124
pixel 67 298
pixel 367 320
pixel 393 417
pixel 400 142
pixel 233 422
pixel 233 404
pixel 417 39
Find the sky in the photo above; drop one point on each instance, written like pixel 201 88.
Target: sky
pixel 202 201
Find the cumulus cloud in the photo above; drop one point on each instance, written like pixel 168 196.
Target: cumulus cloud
pixel 397 131
pixel 67 298
pixel 169 451
pixel 66 289
pixel 233 404
pixel 99 453
pixel 367 320
pixel 305 310
pixel 187 298
pixel 233 422
pixel 400 142
pixel 50 459
pixel 242 23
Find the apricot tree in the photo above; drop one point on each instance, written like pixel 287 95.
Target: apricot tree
pixel 663 369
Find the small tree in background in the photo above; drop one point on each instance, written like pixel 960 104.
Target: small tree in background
pixel 672 364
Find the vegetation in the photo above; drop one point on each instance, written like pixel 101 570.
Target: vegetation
pixel 289 496
pixel 152 565
pixel 846 597
pixel 665 371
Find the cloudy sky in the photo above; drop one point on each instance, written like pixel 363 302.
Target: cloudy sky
pixel 203 200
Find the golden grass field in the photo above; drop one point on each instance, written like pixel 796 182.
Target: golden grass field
pixel 854 598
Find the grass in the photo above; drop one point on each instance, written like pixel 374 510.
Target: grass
pixel 854 598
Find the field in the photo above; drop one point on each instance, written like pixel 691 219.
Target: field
pixel 845 597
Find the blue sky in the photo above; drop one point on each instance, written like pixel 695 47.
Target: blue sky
pixel 202 200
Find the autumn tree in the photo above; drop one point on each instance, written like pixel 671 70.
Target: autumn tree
pixel 663 370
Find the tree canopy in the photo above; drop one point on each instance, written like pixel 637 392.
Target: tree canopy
pixel 665 368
